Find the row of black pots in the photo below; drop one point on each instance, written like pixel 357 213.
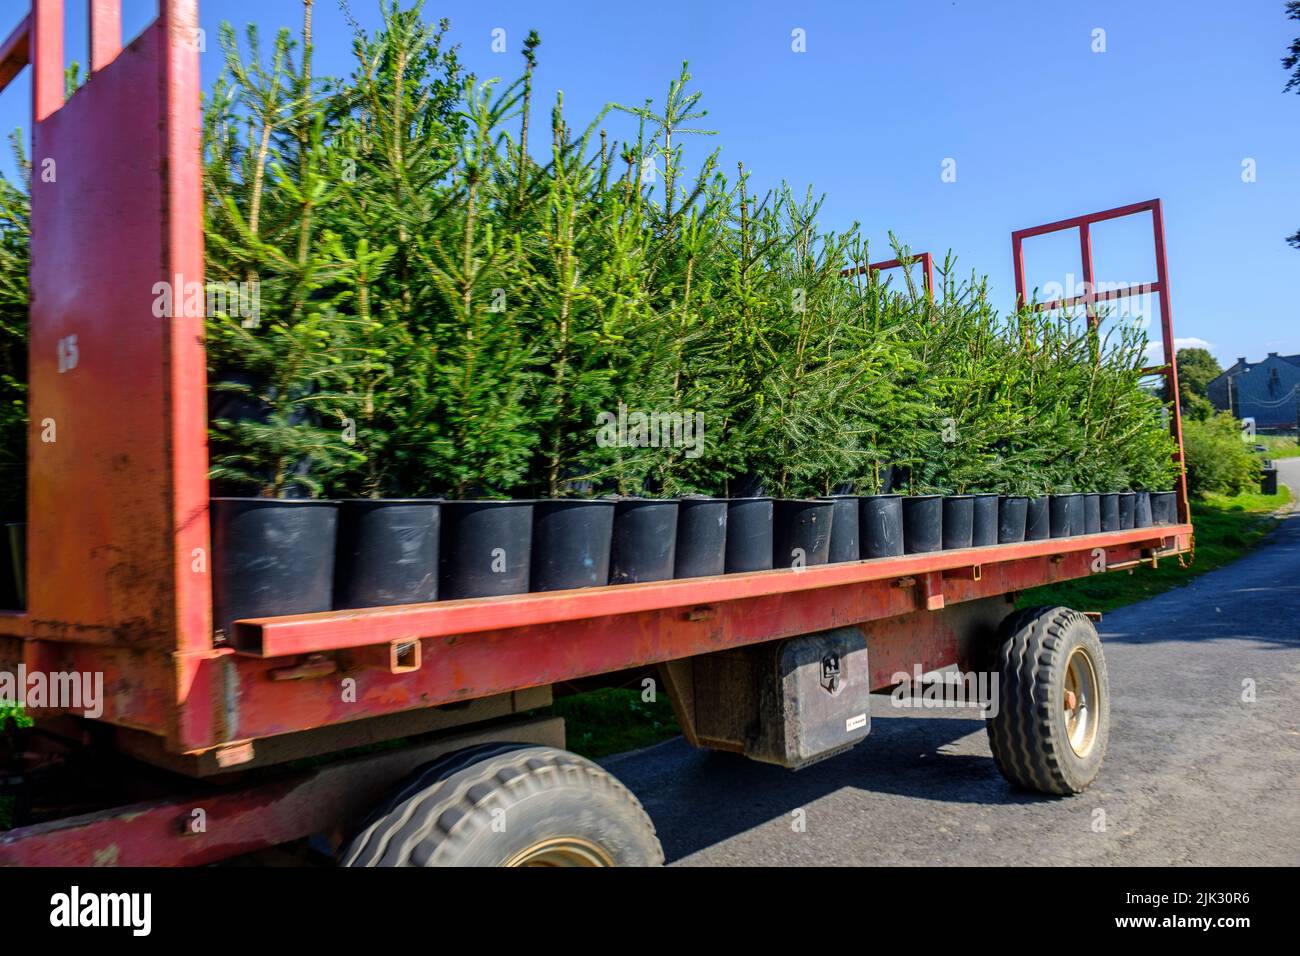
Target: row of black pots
pixel 1067 515
pixel 276 557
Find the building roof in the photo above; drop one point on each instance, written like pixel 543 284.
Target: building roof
pixel 1267 391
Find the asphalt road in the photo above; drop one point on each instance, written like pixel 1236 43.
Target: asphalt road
pixel 1194 773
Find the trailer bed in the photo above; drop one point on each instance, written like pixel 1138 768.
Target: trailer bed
pixel 281 675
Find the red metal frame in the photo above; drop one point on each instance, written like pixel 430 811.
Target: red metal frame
pixel 16 52
pixel 924 258
pixel 205 824
pixel 341 630
pixel 118 520
pixel 117 502
pixel 1090 297
pixel 475 648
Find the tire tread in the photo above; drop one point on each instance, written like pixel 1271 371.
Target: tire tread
pixel 1023 736
pixel 421 822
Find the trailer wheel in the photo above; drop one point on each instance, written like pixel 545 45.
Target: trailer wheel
pixel 508 805
pixel 1053 719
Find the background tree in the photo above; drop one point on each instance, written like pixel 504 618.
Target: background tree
pixel 1196 369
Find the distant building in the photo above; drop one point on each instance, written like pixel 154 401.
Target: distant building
pixel 1267 391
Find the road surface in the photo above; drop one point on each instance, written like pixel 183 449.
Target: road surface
pixel 1195 774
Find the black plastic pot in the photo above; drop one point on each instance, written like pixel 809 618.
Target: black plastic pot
pixel 1013 512
pixel 1091 513
pixel 645 540
pixel 922 523
pixel 387 553
pixel 1078 514
pixel 801 532
pixel 1110 512
pixel 749 535
pixel 14 565
pixel 571 542
pixel 701 538
pixel 880 526
pixel 1142 510
pixel 1038 518
pixel 1059 515
pixel 1164 508
pixel 271 557
pixel 486 548
pixel 845 540
pixel 985 531
pixel 892 478
pixel 958 522
pixel 1127 503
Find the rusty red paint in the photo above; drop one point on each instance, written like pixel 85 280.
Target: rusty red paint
pixel 334 630
pixel 47 66
pixel 231 696
pixel 210 823
pixel 105 32
pixel 204 826
pixel 118 504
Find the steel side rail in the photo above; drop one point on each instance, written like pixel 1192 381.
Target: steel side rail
pixel 253 816
pixel 924 259
pixel 16 52
pixel 339 630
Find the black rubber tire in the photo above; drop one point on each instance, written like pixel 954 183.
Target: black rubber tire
pixel 1028 734
pixel 444 814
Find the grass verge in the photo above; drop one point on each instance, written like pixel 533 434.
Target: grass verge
pixel 1279 446
pixel 1225 527
pixel 614 719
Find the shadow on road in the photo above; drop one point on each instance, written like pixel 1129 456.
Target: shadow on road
pixel 1253 599
pixel 698 798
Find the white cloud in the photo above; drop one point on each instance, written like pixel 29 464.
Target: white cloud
pixel 1156 349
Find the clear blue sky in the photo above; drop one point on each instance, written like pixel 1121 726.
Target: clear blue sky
pixel 1040 126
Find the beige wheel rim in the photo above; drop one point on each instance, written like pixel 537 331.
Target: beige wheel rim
pixel 561 851
pixel 1081 702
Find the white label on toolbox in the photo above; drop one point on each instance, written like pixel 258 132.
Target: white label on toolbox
pixel 854 723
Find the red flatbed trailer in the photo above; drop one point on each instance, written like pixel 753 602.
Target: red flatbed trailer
pixel 206 737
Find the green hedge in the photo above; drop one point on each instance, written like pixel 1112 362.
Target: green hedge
pixel 1218 459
